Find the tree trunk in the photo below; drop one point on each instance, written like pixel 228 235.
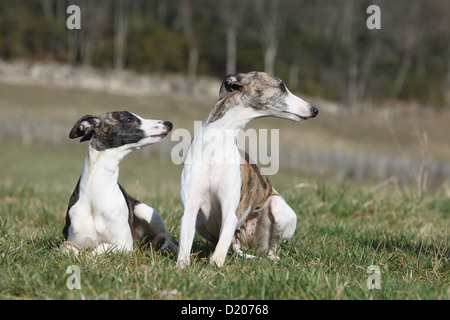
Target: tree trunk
pixel 401 74
pixel 120 39
pixel 270 21
pixel 61 11
pixel 87 52
pixel 447 79
pixel 352 86
pixel 294 70
pixel 193 52
pixel 368 62
pixel 231 50
pixel 192 67
pixel 231 14
pixel 269 58
pixel 352 67
pixel 46 8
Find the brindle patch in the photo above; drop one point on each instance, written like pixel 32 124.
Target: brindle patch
pixel 218 111
pixel 264 92
pixel 256 90
pixel 246 233
pixel 255 188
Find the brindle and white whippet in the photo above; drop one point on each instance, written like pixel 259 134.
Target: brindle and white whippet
pixel 101 215
pixel 228 200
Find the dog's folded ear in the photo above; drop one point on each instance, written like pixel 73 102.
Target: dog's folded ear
pixel 232 82
pixel 85 127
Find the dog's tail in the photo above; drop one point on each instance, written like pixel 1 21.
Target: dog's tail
pixel 160 237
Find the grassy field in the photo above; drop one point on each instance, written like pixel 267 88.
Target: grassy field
pixel 342 230
pixel 343 227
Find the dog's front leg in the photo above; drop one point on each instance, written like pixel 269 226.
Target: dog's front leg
pixel 112 248
pixel 69 247
pixel 187 232
pixel 227 231
pixel 192 190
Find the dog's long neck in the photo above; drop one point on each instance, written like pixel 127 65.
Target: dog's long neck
pixel 100 171
pixel 230 114
pixel 215 141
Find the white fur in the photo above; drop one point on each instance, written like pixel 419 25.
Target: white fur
pixel 101 213
pixel 214 186
pixel 99 219
pixel 297 107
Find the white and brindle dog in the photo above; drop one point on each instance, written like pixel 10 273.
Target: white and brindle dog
pixel 101 215
pixel 229 200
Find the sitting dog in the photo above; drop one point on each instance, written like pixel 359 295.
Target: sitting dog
pixel 101 215
pixel 228 200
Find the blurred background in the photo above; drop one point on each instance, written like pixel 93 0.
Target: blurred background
pixel 383 94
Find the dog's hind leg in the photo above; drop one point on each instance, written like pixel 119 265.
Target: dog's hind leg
pixel 283 226
pixel 237 249
pixel 149 222
pixel 227 230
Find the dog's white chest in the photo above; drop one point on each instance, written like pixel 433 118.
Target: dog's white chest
pixel 211 175
pixel 101 213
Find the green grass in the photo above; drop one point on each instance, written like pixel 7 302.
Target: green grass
pixel 343 228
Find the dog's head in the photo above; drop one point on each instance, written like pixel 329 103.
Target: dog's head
pixel 266 95
pixel 119 128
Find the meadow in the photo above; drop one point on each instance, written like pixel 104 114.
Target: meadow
pixel 344 226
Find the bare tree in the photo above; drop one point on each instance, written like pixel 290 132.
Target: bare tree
pixel 121 31
pixel 232 12
pixel 271 19
pixel 447 78
pixel 301 15
pixel 352 66
pixel 82 43
pixel 408 36
pixel 186 8
pixel 361 57
pixel 46 7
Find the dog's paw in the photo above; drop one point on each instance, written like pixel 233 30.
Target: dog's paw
pixel 272 256
pixel 69 248
pixel 217 260
pixel 181 264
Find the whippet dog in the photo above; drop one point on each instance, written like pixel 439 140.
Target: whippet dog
pixel 228 200
pixel 101 215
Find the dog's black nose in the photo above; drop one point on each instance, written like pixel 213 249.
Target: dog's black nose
pixel 168 124
pixel 314 111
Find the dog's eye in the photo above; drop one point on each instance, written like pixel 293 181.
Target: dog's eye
pixel 129 119
pixel 282 86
